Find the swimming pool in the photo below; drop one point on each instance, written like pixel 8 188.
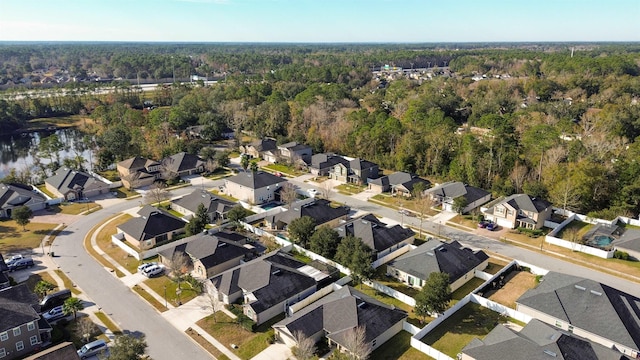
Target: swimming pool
pixel 602 241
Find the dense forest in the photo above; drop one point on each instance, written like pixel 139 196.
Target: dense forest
pixel 558 121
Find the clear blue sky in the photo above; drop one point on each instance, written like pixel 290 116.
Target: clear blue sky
pixel 320 20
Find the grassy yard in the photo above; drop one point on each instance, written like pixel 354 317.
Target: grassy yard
pixel 64 330
pixel 458 330
pixel 158 284
pixel 382 278
pixel 224 196
pixel 398 347
pixel 59 121
pixel 122 192
pixel 67 282
pixel 103 239
pixel 43 188
pixel 413 319
pixel 14 239
pixel 285 169
pixel 581 227
pixel 74 208
pixel 94 253
pixel 494 266
pixel 349 189
pixel 149 298
pixel 397 202
pixel 111 175
pixel 206 344
pixel 465 289
pixel 228 332
pixel 516 284
pixel 465 221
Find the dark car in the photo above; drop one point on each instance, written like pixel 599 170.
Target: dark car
pixel 20 264
pixel 491 226
pixel 483 224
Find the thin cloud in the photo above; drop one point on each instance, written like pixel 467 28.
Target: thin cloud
pixel 218 2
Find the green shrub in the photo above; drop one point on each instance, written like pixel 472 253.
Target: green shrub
pixel 530 232
pixel 621 255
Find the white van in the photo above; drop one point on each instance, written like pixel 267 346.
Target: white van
pixel 93 348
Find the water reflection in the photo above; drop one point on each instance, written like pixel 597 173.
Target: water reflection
pixel 15 150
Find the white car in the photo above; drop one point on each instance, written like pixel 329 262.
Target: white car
pixel 56 313
pixel 146 265
pixel 312 193
pixel 152 271
pixel 13 259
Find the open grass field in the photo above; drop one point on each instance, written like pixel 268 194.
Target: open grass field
pixel 458 330
pixel 516 284
pixel 227 331
pixel 14 239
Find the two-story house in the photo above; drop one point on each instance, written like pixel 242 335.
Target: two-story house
pixel 519 210
pixel 258 148
pixel 181 164
pixel 293 152
pixel 137 172
pixel 254 187
pixel 323 164
pixel 22 331
pixel 356 171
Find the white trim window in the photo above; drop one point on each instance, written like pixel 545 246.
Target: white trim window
pixel 19 346
pixel 4 336
pixel 33 340
pixel 31 326
pixel 3 353
pixel 17 331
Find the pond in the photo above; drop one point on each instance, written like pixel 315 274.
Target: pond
pixel 15 149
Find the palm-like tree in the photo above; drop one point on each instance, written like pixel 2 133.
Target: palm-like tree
pixel 72 306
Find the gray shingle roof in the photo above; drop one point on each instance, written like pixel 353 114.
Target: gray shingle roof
pixel 209 249
pixel 256 180
pixel 360 164
pixel 17 307
pixel 522 202
pixel 182 162
pixel 67 179
pixel 264 144
pixel 327 160
pixel 588 305
pixel 319 210
pixel 454 189
pixel 12 195
pixel 151 223
pixel 435 256
pixel 537 341
pixel 374 233
pixel 137 162
pixel 211 202
pixel 343 310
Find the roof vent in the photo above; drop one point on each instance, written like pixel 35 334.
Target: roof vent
pixel 596 293
pixel 276 272
pixel 222 244
pixel 362 305
pixel 429 253
pixel 550 353
pixel 580 287
pixel 442 249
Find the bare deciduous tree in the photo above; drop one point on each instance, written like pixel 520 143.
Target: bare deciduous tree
pixel 179 266
pixel 288 194
pixel 84 328
pixel 326 189
pixel 305 347
pixel 157 194
pixel 356 343
pixel 215 305
pixel 518 175
pixel 423 204
pixel 131 180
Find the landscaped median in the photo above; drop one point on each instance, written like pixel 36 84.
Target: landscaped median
pixel 88 246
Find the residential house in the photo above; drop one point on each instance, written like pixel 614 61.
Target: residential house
pixel 266 285
pixel 536 341
pixel 519 210
pixel 323 164
pixel 4 279
pixel 338 313
pixel 586 308
pixel 447 193
pixel 254 187
pixel 398 183
pixel 16 195
pixel 460 263
pixel 74 185
pixel 377 235
pixel 62 351
pixel 137 172
pixel 181 164
pixel 216 207
pixel 357 171
pixel 208 254
pixel 319 210
pixel 21 329
pixel 629 242
pixel 258 148
pixel 152 227
pixel 293 152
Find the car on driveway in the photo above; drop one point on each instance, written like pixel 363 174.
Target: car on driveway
pixel 20 264
pixel 54 314
pixel 483 224
pixel 152 271
pixel 312 193
pixel 492 226
pixel 146 265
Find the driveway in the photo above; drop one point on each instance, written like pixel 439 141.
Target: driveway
pixel 275 351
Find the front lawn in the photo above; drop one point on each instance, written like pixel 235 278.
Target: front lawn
pixel 398 202
pixel 158 284
pixel 122 192
pixel 349 189
pixel 103 239
pixel 34 279
pixel 285 169
pixel 453 334
pixel 74 208
pixel 398 348
pixel 228 332
pixel 464 220
pixel 14 239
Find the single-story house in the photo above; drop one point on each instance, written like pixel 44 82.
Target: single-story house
pixel 16 195
pixel 629 242
pixel 181 164
pixel 216 207
pixel 337 314
pixel 586 308
pixel 447 193
pixel 265 285
pixel 137 172
pixel 208 254
pixel 460 263
pixel 74 185
pixel 258 148
pixel 151 227
pixel 519 210
pixel 536 341
pixel 322 164
pixel 377 235
pixel 319 210
pixel 254 187
pixel 400 183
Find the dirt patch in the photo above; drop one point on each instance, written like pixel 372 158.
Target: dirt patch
pixel 516 284
pixel 49 217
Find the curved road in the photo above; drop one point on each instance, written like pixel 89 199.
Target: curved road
pixel 130 312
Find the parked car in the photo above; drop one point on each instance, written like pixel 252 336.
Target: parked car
pixel 55 299
pixel 312 193
pixel 152 271
pixel 93 348
pixel 405 212
pixel 483 224
pixel 20 264
pixel 13 259
pixel 146 265
pixel 492 226
pixel 54 314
